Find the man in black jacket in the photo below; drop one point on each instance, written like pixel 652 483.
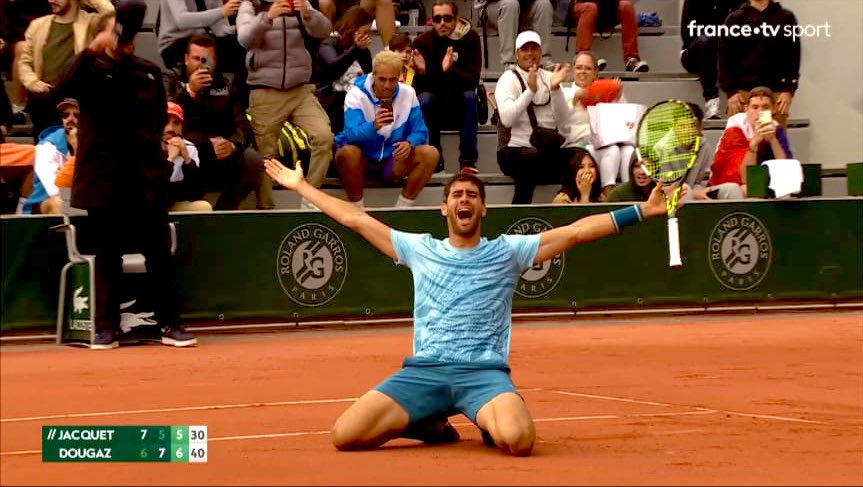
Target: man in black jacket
pixel 216 123
pixel 448 61
pixel 121 175
pixel 769 57
pixel 700 50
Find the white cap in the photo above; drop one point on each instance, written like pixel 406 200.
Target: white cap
pixel 525 37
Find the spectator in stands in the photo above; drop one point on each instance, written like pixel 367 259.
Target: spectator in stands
pixel 402 44
pixel 522 89
pixel 343 58
pixel 216 123
pixel 384 12
pixel 748 140
pixel 448 61
pixel 613 158
pixel 589 16
pixel 280 69
pixel 179 20
pixel 521 15
pixel 121 177
pixel 6 114
pixel 571 108
pixel 637 188
pixel 185 192
pixel 773 60
pixel 15 17
pixel 697 182
pixel 700 52
pixel 385 135
pixel 581 181
pixel 56 145
pixel 49 42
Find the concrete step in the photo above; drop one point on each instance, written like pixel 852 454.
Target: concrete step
pixel 431 196
pixel 647 90
pixel 662 52
pixel 798 133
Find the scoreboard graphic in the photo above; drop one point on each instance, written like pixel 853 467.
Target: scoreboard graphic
pixel 176 444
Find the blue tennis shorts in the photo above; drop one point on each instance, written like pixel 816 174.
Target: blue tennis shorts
pixel 425 387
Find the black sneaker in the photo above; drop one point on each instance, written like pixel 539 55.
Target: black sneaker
pixel 432 430
pixel 177 336
pixel 105 340
pixel 636 65
pixel 487 439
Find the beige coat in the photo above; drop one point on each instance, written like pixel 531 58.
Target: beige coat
pixel 30 63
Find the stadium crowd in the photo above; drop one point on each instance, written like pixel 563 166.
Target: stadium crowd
pixel 296 80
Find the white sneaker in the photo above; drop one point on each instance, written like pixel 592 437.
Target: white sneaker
pixel 601 64
pixel 374 27
pixel 711 109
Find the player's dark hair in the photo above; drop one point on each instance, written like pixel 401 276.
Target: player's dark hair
pixel 465 177
pixel 452 5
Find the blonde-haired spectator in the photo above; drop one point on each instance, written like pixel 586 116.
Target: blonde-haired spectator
pixel 385 135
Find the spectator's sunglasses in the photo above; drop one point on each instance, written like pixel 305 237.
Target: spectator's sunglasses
pixel 68 113
pixel 437 19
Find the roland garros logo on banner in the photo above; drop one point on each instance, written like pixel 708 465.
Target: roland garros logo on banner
pixel 740 251
pixel 312 264
pixel 541 279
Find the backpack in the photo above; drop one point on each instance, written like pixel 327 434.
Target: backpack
pixel 293 145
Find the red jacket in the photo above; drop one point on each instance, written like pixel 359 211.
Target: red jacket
pixel 732 149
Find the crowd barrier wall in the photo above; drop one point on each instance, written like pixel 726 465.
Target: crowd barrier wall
pixel 289 266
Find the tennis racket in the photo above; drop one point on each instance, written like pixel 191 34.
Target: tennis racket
pixel 667 144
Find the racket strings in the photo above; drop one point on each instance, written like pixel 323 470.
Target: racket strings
pixel 668 141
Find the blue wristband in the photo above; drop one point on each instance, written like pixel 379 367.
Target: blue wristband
pixel 626 216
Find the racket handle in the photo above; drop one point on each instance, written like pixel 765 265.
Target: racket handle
pixel 673 243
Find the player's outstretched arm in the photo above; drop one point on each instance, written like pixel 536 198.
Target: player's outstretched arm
pixel 371 229
pixel 593 227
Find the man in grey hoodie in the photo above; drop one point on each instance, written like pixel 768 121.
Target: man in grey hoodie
pixel 280 69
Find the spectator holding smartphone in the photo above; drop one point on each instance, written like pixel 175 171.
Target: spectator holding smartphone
pixel 750 138
pixel 280 69
pixel 180 20
pixel 385 136
pixel 215 121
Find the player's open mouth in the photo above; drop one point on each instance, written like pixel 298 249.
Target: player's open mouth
pixel 464 213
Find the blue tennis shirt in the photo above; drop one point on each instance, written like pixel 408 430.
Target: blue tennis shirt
pixel 463 297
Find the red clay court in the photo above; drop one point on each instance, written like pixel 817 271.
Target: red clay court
pixel 767 398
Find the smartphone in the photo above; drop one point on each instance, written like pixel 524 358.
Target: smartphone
pixel 205 63
pixel 387 104
pixel 765 117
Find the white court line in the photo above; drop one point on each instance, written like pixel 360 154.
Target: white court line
pixel 700 409
pixel 619 399
pixel 270 435
pixel 313 433
pixel 192 408
pixel 179 409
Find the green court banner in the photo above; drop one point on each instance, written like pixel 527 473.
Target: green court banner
pixel 291 266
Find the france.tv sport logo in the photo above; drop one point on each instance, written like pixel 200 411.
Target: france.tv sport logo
pixel 766 30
